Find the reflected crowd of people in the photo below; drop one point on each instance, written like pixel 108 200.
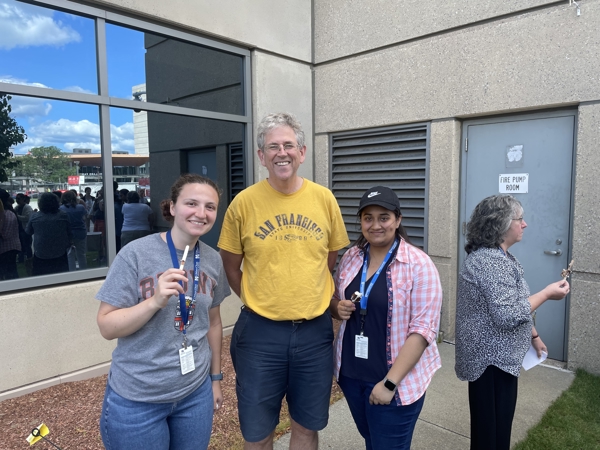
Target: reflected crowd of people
pixel 66 230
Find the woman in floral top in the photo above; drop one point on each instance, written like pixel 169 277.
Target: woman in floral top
pixel 494 328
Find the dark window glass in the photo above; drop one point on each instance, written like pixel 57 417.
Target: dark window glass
pixel 164 147
pixel 46 48
pixel 153 68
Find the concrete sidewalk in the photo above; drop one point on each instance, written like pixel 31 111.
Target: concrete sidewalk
pixel 444 421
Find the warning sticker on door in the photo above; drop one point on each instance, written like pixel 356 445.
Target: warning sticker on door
pixel 513 183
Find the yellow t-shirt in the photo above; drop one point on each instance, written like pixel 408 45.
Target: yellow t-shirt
pixel 285 240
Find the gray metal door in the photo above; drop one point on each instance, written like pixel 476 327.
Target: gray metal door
pixel 204 162
pixel 530 157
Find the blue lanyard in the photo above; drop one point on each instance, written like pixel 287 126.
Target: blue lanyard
pixel 363 279
pixel 182 304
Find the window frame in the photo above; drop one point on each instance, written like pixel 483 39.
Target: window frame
pixel 105 102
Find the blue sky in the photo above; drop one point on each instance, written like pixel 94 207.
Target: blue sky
pixel 46 48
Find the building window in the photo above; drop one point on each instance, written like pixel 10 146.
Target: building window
pixel 108 104
pixel 396 157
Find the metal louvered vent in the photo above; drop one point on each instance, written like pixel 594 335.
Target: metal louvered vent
pixel 396 157
pixel 237 178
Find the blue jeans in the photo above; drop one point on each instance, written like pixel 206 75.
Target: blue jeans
pixel 183 425
pixel 382 426
pixel 273 359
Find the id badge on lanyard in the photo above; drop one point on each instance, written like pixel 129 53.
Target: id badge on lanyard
pixel 186 353
pixel 361 342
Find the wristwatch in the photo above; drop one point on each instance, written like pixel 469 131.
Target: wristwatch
pixel 216 377
pixel 390 385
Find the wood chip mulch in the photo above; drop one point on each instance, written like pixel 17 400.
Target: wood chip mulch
pixel 72 413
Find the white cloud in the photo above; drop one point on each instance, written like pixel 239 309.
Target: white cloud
pixel 122 137
pixel 78 89
pixel 25 25
pixel 13 80
pixel 29 107
pixel 67 135
pixel 65 128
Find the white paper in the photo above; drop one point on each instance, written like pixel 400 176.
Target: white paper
pixel 361 346
pixel 186 360
pixel 531 358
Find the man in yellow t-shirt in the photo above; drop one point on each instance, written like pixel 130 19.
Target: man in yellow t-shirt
pixel 287 231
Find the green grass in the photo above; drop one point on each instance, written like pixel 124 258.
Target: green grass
pixel 90 258
pixel 572 421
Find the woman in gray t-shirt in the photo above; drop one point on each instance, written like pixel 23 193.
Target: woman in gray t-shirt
pixel 164 381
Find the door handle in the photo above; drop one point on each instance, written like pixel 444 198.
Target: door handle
pixel 553 252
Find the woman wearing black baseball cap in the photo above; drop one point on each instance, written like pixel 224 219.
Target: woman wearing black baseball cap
pixel 389 296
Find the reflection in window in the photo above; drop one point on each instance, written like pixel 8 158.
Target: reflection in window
pixel 157 69
pixel 39 39
pixel 58 148
pixel 198 146
pixel 53 185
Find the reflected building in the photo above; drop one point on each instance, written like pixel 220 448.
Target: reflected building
pixel 201 78
pixel 140 121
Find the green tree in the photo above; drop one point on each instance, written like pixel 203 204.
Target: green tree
pixel 48 164
pixel 11 134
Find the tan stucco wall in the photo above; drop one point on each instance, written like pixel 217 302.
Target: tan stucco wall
pixel 443 62
pixel 363 25
pixel 280 27
pixel 49 332
pixel 583 350
pixel 282 85
pixel 50 336
pixel 536 60
pixel 444 184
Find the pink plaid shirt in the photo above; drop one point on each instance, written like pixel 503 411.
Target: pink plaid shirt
pixel 414 305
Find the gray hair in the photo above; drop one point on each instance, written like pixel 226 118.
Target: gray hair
pixel 275 120
pixel 491 220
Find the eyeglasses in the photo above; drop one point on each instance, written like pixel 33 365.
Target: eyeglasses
pixel 520 219
pixel 274 148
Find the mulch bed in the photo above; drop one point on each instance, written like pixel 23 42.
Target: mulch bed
pixel 72 413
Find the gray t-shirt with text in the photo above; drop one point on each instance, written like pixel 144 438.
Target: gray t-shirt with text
pixel 145 365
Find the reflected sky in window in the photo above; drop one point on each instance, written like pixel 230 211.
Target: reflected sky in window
pixel 69 125
pixel 45 48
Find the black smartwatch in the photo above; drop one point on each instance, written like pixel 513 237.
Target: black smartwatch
pixel 390 385
pixel 216 377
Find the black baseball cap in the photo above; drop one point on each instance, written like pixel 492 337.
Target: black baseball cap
pixel 380 196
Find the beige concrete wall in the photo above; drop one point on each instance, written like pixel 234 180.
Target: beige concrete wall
pixel 279 27
pixel 321 159
pixel 282 85
pixel 446 61
pixel 50 336
pixel 583 350
pixel 343 27
pixel 535 60
pixel 444 185
pixel 49 332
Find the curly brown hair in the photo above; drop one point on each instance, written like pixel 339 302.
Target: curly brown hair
pixel 186 178
pixel 490 220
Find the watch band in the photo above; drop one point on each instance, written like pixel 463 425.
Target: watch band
pixel 216 377
pixel 390 385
